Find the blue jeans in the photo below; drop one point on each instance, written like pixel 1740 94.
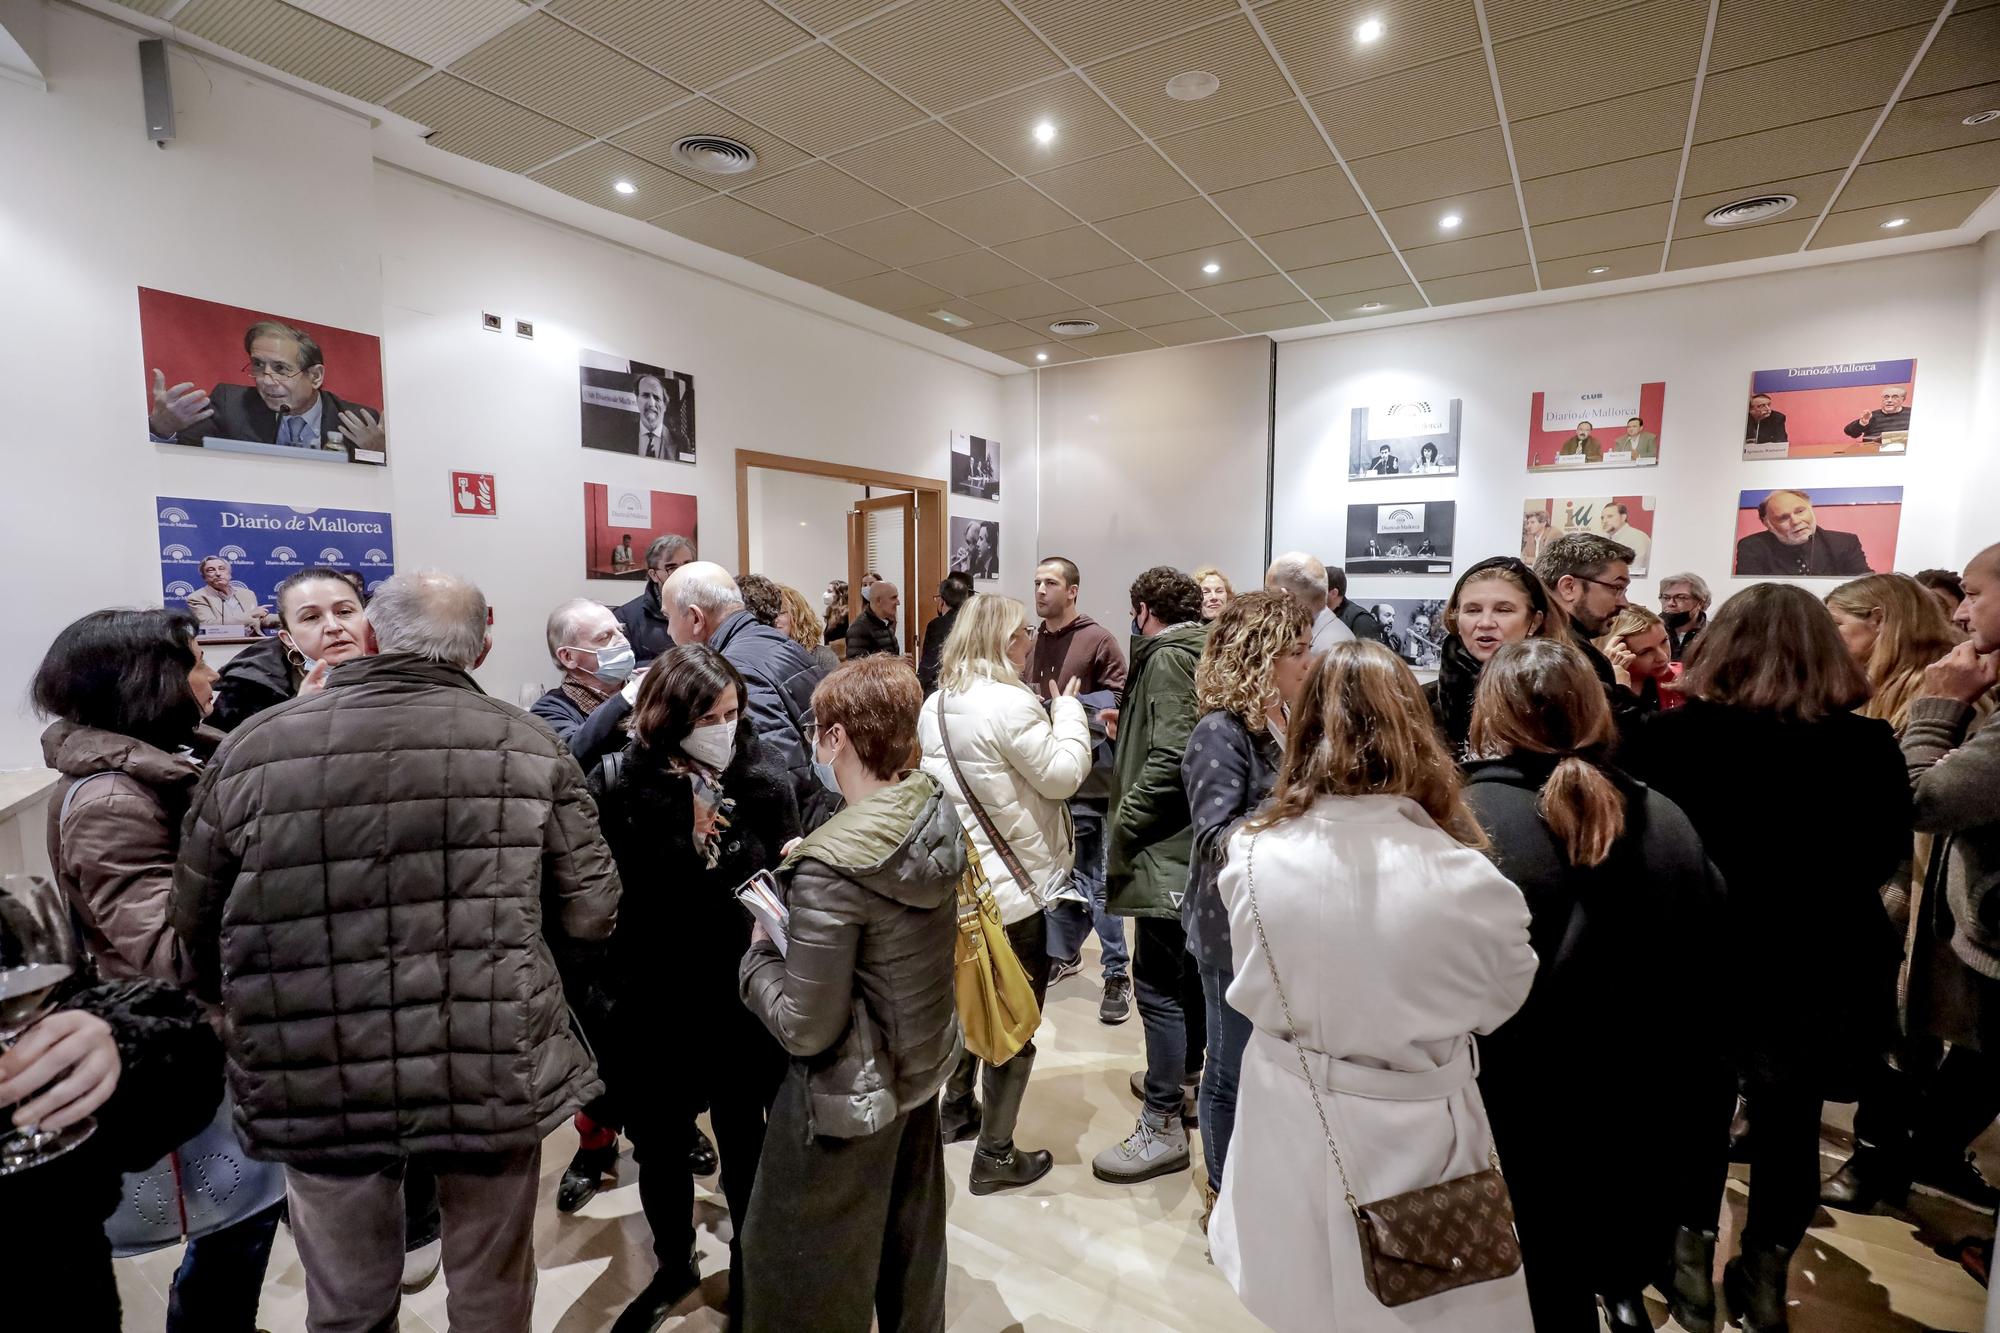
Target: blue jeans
pixel 221 1277
pixel 1228 1034
pixel 1069 924
pixel 1168 989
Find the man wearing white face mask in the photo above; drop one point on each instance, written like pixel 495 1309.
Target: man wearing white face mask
pixel 598 686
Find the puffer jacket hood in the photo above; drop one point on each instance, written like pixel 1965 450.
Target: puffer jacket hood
pixel 77 752
pixel 903 842
pixel 1189 638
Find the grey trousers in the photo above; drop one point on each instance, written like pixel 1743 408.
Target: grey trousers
pixel 348 1224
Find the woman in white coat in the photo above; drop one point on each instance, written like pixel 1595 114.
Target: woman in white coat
pixel 1022 761
pixel 1395 942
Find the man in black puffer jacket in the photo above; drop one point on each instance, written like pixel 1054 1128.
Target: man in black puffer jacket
pixel 371 882
pixel 704 605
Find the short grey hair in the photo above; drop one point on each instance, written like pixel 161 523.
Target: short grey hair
pixel 432 614
pixel 566 621
pixel 1694 583
pixel 660 546
pixel 1582 555
pixel 704 586
pixel 1301 575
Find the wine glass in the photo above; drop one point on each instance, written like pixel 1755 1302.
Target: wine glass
pixel 38 953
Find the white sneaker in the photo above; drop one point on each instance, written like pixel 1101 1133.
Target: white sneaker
pixel 420 1266
pixel 1149 1150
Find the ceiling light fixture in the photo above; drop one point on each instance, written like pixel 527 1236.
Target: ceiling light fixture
pixel 1041 356
pixel 1372 305
pixel 1045 132
pixel 1894 223
pixel 1601 268
pixel 1192 86
pixel 625 187
pixel 1981 118
pixel 1370 30
pixel 1211 268
pixel 1450 221
pixel 956 321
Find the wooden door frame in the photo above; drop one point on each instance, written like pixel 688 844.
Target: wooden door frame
pixel 906 502
pixel 933 522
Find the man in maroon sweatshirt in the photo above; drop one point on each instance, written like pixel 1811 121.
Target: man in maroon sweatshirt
pixel 1071 646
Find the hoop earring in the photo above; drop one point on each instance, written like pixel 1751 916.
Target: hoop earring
pixel 295 657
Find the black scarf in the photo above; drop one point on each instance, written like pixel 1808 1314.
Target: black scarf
pixel 1458 683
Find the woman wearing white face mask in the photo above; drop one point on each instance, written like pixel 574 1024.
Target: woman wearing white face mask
pixel 323 622
pixel 692 807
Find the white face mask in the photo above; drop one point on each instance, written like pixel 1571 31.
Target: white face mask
pixel 713 745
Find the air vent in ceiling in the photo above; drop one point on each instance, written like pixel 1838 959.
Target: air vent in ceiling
pixel 715 155
pixel 1073 328
pixel 1192 86
pixel 1750 210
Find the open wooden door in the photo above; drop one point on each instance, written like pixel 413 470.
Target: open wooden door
pixel 882 536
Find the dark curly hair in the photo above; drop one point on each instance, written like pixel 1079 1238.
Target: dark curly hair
pixel 1174 598
pixel 762 597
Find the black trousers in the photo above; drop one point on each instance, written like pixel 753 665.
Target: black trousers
pixel 1030 940
pixel 1167 983
pixel 840 1230
pixel 1784 1157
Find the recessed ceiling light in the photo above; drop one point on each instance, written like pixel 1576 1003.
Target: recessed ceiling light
pixel 1372 305
pixel 1041 356
pixel 1192 86
pixel 1601 268
pixel 1369 30
pixel 1045 132
pixel 1211 267
pixel 1981 118
pixel 625 187
pixel 1894 223
pixel 1449 221
pixel 956 321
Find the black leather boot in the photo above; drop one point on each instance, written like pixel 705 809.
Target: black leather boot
pixel 1627 1314
pixel 958 1113
pixel 584 1175
pixel 1866 1181
pixel 1754 1284
pixel 996 1163
pixel 1690 1286
pixel 650 1308
pixel 701 1154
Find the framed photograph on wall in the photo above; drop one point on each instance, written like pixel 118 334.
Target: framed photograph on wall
pixel 222 560
pixel 1848 408
pixel 975 467
pixel 1595 425
pixel 240 381
pixel 1622 518
pixel 1413 628
pixel 1400 538
pixel 1818 532
pixel 1406 437
pixel 630 407
pixel 620 522
pixel 975 547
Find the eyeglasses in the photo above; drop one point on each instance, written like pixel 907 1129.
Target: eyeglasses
pixel 282 370
pixel 1623 587
pixel 668 568
pixel 1677 597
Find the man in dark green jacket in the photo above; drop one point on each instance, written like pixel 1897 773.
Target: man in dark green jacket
pixel 1150 839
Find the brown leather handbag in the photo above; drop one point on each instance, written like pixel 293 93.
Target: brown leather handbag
pixel 1430 1240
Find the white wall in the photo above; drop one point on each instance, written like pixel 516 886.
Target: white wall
pixel 271 200
pixel 798 528
pixel 1151 460
pixel 1704 341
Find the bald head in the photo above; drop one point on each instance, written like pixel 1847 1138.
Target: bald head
pixel 1300 577
pixel 881 594
pixel 432 614
pixel 1986 564
pixel 697 599
pixel 1979 613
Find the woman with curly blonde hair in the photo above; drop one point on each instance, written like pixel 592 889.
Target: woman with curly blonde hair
pixel 1250 675
pixel 799 622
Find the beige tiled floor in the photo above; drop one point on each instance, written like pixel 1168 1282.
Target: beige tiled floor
pixel 1073 1253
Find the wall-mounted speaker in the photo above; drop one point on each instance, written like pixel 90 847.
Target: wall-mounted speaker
pixel 158 88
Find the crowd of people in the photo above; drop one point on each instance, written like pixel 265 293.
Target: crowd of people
pixel 1383 936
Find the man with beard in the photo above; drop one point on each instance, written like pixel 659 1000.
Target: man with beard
pixel 285 404
pixel 1765 424
pixel 1793 544
pixel 1684 603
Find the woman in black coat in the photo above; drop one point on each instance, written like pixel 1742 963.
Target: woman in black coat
pixel 1805 808
pixel 1497 602
pixel 1624 907
pixel 323 624
pixel 692 808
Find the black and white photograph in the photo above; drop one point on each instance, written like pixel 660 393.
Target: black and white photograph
pixel 975 547
pixel 1400 538
pixel 1412 627
pixel 975 467
pixel 1408 437
pixel 630 407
